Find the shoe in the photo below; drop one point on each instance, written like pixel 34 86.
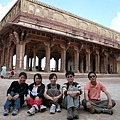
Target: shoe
pixel 58 109
pixel 98 111
pixel 31 111
pixel 70 114
pixel 15 112
pixel 91 110
pixel 107 111
pixel 42 108
pixel 75 114
pixel 52 109
pixel 6 112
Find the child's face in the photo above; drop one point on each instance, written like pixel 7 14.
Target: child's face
pixel 70 78
pixel 22 79
pixel 37 80
pixel 53 80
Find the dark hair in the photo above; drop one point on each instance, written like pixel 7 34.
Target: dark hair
pixel 52 75
pixel 69 73
pixel 39 76
pixel 90 73
pixel 24 74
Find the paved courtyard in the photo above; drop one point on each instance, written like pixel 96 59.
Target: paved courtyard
pixel 112 84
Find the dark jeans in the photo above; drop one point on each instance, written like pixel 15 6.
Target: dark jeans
pixel 14 103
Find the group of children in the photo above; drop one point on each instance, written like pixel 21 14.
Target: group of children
pixel 53 95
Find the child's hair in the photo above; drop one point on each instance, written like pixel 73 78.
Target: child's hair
pixel 69 73
pixel 90 73
pixel 39 76
pixel 52 75
pixel 24 74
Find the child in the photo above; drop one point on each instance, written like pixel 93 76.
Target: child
pixel 53 94
pixel 35 95
pixel 71 92
pixel 15 95
pixel 12 73
pixel 3 72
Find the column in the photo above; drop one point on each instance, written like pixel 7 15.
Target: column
pixel 56 65
pixel 87 60
pixel 11 58
pixel 2 56
pixel 34 55
pixel 8 57
pixel 47 65
pixel 105 62
pixel 27 62
pixel 76 60
pixel 97 62
pixel 81 64
pixel 114 65
pixel 39 65
pixel 30 64
pixel 63 58
pixel 20 50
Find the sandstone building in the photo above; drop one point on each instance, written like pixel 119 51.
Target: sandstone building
pixel 32 28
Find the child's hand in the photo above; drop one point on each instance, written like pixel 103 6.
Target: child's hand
pixel 15 97
pixel 9 97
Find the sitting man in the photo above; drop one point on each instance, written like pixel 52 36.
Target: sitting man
pixel 92 101
pixel 71 96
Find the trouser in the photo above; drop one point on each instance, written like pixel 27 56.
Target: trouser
pixel 69 101
pixel 53 93
pixel 98 105
pixel 14 103
pixel 32 102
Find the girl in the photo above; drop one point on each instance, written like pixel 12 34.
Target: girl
pixel 35 95
pixel 53 94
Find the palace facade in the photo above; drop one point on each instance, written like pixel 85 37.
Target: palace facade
pixel 34 29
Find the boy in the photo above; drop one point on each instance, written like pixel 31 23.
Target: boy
pixel 15 94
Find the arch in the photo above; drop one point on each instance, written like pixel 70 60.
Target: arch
pixel 84 25
pixel 70 65
pixel 71 21
pixel 94 29
pixel 31 9
pixel 46 13
pixel 102 32
pixel 38 11
pixel 58 17
pixel 108 34
pixel 55 56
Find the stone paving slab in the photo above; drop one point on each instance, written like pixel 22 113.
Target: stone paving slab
pixel 112 84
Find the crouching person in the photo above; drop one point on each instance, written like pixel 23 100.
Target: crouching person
pixel 35 95
pixel 71 96
pixel 53 94
pixel 15 95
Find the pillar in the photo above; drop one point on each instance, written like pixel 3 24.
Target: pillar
pixel 63 58
pixel 20 51
pixel 87 60
pixel 76 60
pixel 47 62
pixel 97 62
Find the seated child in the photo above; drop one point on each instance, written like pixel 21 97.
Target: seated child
pixel 53 94
pixel 35 95
pixel 15 95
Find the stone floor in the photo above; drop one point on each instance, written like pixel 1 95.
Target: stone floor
pixel 112 84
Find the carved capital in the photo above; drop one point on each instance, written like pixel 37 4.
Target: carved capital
pixel 16 36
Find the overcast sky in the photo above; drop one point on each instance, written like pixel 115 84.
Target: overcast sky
pixel 104 12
